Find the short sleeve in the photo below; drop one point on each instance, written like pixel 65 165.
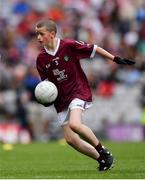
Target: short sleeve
pixel 84 50
pixel 40 70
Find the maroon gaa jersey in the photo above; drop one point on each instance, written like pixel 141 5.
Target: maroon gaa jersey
pixel 63 68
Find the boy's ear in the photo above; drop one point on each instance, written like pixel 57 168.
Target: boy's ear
pixel 53 34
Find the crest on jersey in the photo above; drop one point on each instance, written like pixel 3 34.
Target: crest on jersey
pixel 47 66
pixel 66 58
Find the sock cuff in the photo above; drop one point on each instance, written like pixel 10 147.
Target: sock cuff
pixel 99 147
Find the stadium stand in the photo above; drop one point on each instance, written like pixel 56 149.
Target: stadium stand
pixel 117 91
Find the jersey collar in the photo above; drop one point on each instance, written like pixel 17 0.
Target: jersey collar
pixel 53 53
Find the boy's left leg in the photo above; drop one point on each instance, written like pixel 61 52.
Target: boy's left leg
pixel 76 125
pixel 84 131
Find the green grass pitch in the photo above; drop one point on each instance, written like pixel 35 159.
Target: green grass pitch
pixel 57 161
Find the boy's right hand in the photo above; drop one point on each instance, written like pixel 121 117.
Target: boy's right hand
pixel 123 61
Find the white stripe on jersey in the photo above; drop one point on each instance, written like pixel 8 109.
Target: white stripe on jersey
pixel 94 51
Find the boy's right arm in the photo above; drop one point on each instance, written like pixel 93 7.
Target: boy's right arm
pixel 117 59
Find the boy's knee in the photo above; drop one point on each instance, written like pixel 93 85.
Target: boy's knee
pixel 69 140
pixel 74 126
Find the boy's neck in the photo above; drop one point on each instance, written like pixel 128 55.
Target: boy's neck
pixel 52 45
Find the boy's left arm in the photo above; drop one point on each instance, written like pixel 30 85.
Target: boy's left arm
pixel 117 59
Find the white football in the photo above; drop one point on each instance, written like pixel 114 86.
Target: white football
pixel 46 92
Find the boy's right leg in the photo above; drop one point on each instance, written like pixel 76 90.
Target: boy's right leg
pixel 71 131
pixel 77 143
pixel 85 148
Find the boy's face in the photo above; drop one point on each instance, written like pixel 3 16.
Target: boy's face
pixel 44 37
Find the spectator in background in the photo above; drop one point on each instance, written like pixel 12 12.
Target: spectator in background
pixel 30 82
pixel 105 22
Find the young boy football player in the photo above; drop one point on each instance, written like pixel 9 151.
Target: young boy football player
pixel 59 62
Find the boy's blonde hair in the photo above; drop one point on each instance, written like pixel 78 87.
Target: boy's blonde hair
pixel 49 24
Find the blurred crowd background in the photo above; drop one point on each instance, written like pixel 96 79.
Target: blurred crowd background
pixel 118 111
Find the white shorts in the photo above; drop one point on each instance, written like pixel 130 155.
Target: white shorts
pixel 63 117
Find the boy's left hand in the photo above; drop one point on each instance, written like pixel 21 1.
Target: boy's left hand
pixel 123 61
